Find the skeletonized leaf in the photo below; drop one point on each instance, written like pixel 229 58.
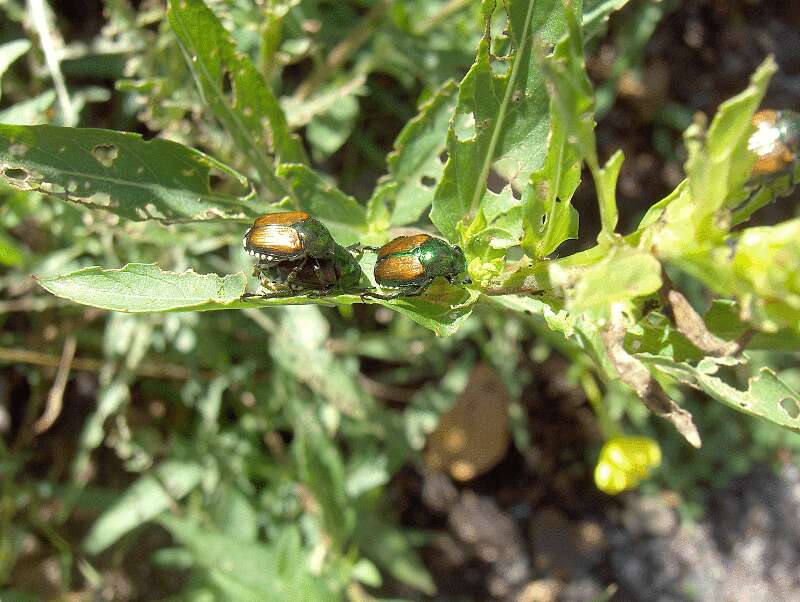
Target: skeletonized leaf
pixel 118 172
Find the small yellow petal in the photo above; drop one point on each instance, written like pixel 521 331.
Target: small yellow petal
pixel 624 462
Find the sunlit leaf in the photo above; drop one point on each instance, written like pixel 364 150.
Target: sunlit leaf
pixel 144 287
pixel 500 121
pixel 766 395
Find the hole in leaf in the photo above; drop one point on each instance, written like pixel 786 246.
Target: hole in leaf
pixel 501 66
pixel 16 174
pixel 105 154
pixel 516 193
pixel 227 82
pixel 791 407
pixel 464 126
pixel 496 182
pixel 427 181
pixel 443 156
pixel 544 218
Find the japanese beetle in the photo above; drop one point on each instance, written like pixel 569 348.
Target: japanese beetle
pixel 776 141
pixel 311 276
pixel 411 263
pixel 289 236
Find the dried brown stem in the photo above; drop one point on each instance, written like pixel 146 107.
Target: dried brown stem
pixel 636 375
pixel 161 370
pixel 55 398
pixel 691 325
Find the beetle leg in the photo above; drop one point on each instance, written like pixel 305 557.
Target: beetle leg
pixel 254 296
pixel 295 271
pixel 384 296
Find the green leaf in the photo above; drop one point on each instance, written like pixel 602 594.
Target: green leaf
pixel 717 170
pixel 118 172
pixel 443 308
pixel 766 272
pixel 29 112
pixel 144 287
pixel 624 275
pixel 322 472
pixel 766 395
pixel 10 253
pixel 548 217
pixel 302 351
pixel 10 52
pixel 573 101
pixel 302 112
pixel 328 131
pixel 250 111
pixel 724 319
pixel 234 513
pixel 414 165
pixel 341 213
pixel 500 121
pixel 145 499
pixel 245 570
pixel 388 547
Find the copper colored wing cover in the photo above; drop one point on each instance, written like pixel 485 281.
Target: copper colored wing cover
pixel 773 162
pixel 402 243
pixel 400 269
pixel 768 116
pixel 275 238
pixel 288 217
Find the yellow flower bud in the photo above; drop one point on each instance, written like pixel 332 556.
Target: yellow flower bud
pixel 624 462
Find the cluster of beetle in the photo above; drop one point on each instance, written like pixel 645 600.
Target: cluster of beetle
pixel 297 254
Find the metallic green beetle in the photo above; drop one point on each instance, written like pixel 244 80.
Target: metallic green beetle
pixel 411 263
pixel 289 236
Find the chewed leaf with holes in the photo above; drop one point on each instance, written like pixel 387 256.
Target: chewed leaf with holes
pixel 501 120
pixel 249 111
pixel 117 172
pixel 766 396
pixel 415 164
